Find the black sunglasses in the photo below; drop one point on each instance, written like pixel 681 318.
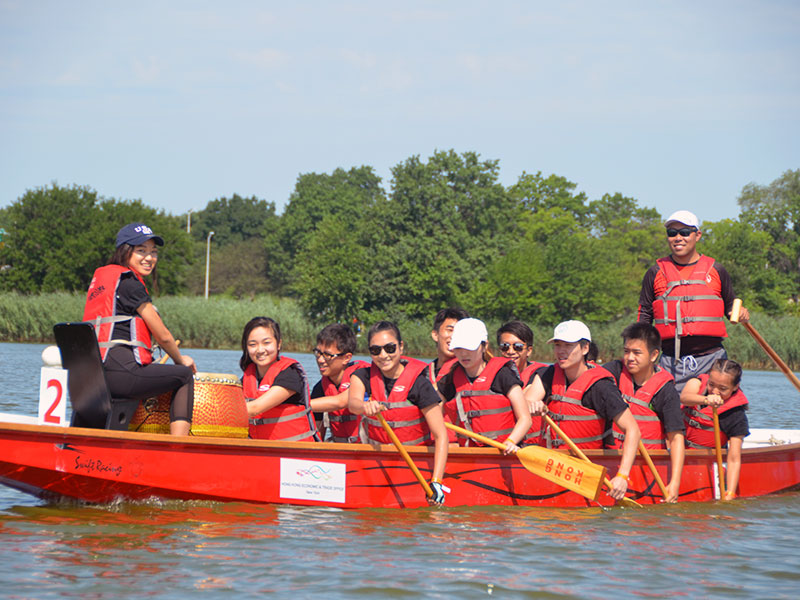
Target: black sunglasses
pixel 327 355
pixel 390 348
pixel 518 346
pixel 685 232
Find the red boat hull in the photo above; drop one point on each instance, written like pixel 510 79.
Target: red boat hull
pixel 102 466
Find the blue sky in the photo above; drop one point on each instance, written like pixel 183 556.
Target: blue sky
pixel 678 105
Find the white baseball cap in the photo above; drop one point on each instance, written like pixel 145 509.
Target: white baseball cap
pixel 571 331
pixel 468 334
pixel 685 217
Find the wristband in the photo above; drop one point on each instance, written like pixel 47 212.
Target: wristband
pixel 627 478
pixel 435 480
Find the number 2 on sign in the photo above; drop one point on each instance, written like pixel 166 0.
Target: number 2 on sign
pixel 49 417
pixel 53 397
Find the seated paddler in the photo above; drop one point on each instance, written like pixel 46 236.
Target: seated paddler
pixel 650 393
pixel 119 306
pixel 584 400
pixel 483 394
pixel 275 386
pixel 398 388
pixel 334 350
pixel 719 388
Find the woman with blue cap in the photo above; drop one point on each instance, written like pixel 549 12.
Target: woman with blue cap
pixel 119 306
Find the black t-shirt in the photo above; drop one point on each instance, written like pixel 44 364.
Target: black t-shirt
pixel 507 377
pixel 131 294
pixel 422 394
pixel 733 422
pixel 603 397
pixel 292 380
pixel 666 402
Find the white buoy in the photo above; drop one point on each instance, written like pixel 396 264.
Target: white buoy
pixel 51 356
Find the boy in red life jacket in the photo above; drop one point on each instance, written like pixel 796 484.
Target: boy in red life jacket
pixel 397 387
pixel 585 399
pixel 275 386
pixel 441 333
pixel 652 398
pixel 515 341
pixel 336 344
pixel 718 388
pixel 484 395
pixel 687 296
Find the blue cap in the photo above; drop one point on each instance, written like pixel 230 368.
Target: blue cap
pixel 137 234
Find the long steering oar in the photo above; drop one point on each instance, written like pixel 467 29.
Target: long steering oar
pixel 737 306
pixel 404 453
pixel 582 456
pixel 646 455
pixel 718 453
pixel 580 477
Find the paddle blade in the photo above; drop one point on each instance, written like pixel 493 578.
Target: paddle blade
pixel 581 477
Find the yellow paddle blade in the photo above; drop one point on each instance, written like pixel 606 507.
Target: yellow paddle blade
pixel 581 477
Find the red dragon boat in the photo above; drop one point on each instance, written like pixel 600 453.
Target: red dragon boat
pixel 100 466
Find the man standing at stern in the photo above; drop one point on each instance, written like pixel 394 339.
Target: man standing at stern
pixel 687 296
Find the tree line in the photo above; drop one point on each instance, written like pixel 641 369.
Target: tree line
pixel 443 232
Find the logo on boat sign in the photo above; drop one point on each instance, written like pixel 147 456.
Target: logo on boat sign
pixel 95 465
pixel 312 480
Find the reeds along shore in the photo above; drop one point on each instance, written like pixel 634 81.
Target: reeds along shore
pixel 217 323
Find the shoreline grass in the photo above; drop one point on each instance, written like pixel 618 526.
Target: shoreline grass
pixel 217 323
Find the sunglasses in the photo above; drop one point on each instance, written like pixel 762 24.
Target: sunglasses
pixel 518 346
pixel 685 232
pixel 389 348
pixel 327 355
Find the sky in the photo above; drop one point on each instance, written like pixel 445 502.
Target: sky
pixel 677 104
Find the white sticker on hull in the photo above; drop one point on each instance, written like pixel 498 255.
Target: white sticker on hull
pixel 312 480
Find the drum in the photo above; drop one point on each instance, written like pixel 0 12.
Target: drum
pixel 219 409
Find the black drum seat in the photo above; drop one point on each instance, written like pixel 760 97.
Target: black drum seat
pixel 92 404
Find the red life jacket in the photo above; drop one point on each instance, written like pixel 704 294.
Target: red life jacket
pixel 101 311
pixel 447 366
pixel 286 422
pixel 404 417
pixel 584 426
pixel 527 373
pixel 688 306
pixel 343 423
pixel 700 421
pixel 477 408
pixel 653 434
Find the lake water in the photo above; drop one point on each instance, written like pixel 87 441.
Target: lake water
pixel 741 549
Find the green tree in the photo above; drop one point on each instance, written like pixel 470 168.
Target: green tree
pixel 57 236
pixel 329 276
pixel 234 220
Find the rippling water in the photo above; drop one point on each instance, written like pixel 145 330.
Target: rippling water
pixel 742 549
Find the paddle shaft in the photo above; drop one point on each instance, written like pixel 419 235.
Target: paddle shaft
pixel 737 305
pixel 718 453
pixel 646 455
pixel 579 452
pixel 404 453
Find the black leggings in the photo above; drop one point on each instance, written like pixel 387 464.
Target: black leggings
pixel 128 379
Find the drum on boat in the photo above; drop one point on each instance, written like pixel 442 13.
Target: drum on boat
pixel 219 409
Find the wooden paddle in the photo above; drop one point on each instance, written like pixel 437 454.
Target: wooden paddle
pixel 582 456
pixel 580 477
pixel 718 453
pixel 646 455
pixel 737 306
pixel 404 453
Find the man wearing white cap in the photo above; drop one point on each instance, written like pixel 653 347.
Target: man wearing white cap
pixel 687 296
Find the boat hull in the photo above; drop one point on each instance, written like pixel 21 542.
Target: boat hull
pixel 100 466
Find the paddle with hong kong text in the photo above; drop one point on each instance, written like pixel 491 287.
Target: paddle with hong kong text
pixel 570 473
